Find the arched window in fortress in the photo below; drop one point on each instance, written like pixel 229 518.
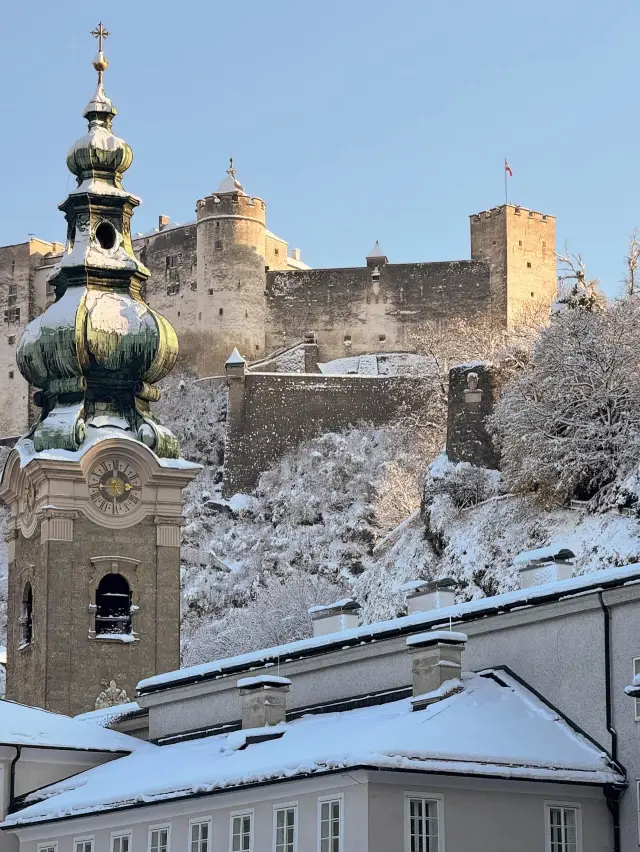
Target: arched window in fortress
pixel 113 606
pixel 26 616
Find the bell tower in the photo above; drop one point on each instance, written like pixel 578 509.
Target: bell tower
pixel 95 488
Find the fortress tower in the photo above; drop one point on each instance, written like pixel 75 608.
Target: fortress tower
pixel 519 245
pixel 231 252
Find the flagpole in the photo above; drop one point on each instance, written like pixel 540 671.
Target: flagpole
pixel 506 201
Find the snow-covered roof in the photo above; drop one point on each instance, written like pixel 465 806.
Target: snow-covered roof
pixel 545 554
pixel 273 236
pixel 406 624
pixel 434 636
pixel 336 606
pixel 376 251
pixel 108 715
pixel 31 726
pixel 495 726
pixel 296 264
pixel 262 680
pixel 235 358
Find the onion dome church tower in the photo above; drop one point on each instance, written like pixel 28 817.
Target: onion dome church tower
pixel 95 488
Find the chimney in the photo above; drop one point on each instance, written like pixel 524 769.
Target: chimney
pixel 163 221
pixel 295 254
pixel 545 565
pixel 424 596
pixel 264 700
pixel 335 617
pixel 436 665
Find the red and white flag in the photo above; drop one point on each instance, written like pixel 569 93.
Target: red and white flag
pixel 507 169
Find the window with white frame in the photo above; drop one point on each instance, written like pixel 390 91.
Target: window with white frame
pixel 330 825
pixel 48 847
pixel 121 842
pixel 242 832
pixel 636 701
pixel 285 828
pixel 200 835
pixel 159 838
pixel 83 844
pixel 423 824
pixel 563 828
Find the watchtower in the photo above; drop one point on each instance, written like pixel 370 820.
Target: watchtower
pixel 519 245
pixel 231 276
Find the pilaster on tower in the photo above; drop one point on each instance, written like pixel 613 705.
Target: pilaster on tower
pixel 95 489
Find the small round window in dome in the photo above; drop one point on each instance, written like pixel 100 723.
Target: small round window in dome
pixel 106 235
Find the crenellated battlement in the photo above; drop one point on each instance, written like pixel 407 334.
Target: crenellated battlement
pixel 230 205
pixel 512 209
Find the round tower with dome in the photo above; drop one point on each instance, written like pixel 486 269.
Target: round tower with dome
pixel 231 276
pixel 95 488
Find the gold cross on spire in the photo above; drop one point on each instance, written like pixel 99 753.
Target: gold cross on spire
pixel 100 33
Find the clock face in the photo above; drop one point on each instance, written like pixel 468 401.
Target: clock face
pixel 115 487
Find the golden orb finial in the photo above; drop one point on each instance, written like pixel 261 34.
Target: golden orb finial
pixel 100 63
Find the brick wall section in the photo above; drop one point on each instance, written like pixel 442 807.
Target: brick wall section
pixel 467 437
pixel 353 314
pixel 271 413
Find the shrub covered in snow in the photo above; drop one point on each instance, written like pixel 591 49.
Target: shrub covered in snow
pixel 569 424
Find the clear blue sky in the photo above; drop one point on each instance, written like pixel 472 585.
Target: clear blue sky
pixel 354 120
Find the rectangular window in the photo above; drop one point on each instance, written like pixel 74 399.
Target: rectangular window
pixel 121 842
pixel 285 829
pixel 277 252
pixel 48 847
pixel 636 701
pixel 10 374
pixel 563 828
pixel 83 844
pixel 199 835
pixel 194 285
pixel 242 832
pixel 12 339
pixel 423 828
pixel 159 838
pixel 528 264
pixel 13 289
pixel 218 245
pixel 179 257
pixel 330 825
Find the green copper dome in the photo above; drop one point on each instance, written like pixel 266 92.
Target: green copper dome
pixel 96 353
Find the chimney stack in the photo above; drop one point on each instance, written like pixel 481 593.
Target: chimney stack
pixel 264 700
pixel 425 595
pixel 295 254
pixel 436 665
pixel 334 617
pixel 545 565
pixel 163 221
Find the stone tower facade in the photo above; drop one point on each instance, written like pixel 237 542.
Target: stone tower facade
pixel 95 488
pixel 519 246
pixel 231 254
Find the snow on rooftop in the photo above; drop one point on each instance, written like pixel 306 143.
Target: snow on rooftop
pixel 544 553
pixel 493 727
pixel 344 603
pixel 262 680
pixel 30 726
pixel 437 636
pixel 235 358
pixel 366 632
pixel 108 715
pixel 376 251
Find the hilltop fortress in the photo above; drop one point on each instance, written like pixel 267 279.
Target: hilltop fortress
pixel 226 281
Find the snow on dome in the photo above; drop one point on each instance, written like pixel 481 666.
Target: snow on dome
pixel 485 730
pixel 230 183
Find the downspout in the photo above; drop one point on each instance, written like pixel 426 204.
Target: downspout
pixel 12 778
pixel 613 794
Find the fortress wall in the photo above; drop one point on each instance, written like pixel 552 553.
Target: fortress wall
pixel 271 413
pixel 352 314
pixel 178 245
